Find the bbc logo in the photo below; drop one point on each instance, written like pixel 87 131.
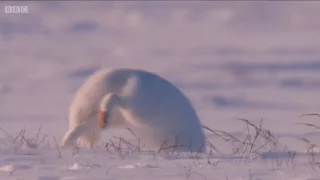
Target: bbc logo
pixel 16 9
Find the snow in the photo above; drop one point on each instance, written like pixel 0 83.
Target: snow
pixel 248 60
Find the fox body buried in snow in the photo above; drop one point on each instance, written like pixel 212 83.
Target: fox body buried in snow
pixel 152 107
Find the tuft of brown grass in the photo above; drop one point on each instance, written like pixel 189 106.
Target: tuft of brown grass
pixel 310 149
pixel 257 139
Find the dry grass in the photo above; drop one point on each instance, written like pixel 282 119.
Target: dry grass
pixel 16 142
pixel 314 163
pixel 257 140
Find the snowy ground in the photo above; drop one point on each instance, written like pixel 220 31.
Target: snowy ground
pixel 233 60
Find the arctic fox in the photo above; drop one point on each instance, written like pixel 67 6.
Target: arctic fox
pixel 152 107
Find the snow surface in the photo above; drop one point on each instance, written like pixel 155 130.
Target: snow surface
pixel 233 60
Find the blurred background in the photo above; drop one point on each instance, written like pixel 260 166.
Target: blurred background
pixel 232 59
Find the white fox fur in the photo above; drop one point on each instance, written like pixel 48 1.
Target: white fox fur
pixel 152 107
